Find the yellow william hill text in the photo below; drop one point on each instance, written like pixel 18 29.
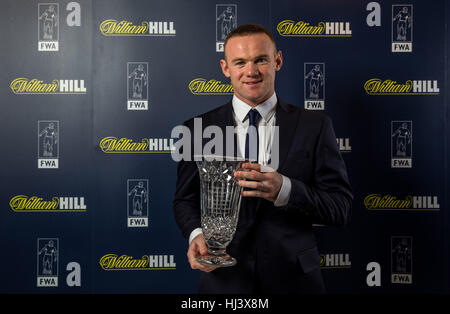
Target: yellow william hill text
pixel 377 86
pixel 147 262
pixel 289 28
pixel 24 85
pixel 389 202
pixel 201 86
pixel 23 203
pixel 112 27
pixel 113 144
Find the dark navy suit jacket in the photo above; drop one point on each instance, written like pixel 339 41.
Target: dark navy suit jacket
pixel 275 247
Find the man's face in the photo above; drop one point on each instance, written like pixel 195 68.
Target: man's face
pixel 251 63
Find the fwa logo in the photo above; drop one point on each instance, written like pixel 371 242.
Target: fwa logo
pixel 402 27
pixel 401 259
pixel 48 26
pixel 137 202
pixel 48 144
pixel 48 265
pixel 314 90
pixel 137 85
pixel 226 21
pixel 47 262
pixel 401 144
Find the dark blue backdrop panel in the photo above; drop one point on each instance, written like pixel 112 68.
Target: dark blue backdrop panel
pixel 20 175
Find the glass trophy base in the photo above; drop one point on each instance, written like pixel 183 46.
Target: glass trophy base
pixel 217 260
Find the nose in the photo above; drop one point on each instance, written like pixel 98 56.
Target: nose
pixel 252 69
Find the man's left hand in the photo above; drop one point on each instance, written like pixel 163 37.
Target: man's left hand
pixel 264 181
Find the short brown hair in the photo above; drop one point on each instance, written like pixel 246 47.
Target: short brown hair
pixel 249 29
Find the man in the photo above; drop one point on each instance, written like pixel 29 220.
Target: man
pixel 316 80
pixel 50 256
pixel 403 139
pixel 50 139
pixel 228 22
pixel 139 81
pixel 274 244
pixel 50 21
pixel 404 22
pixel 139 197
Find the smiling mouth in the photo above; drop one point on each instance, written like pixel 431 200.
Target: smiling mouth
pixel 253 83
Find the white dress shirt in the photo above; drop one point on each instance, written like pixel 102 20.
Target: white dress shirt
pixel 266 126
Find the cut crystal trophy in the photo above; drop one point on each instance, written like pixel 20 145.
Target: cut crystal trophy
pixel 220 203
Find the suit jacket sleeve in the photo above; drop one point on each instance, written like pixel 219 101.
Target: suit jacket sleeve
pixel 327 198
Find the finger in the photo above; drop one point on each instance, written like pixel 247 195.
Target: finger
pixel 252 166
pixel 192 257
pixel 196 265
pixel 198 247
pixel 193 252
pixel 265 168
pixel 249 175
pixel 255 193
pixel 257 185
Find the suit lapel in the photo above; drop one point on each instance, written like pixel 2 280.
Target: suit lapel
pixel 227 114
pixel 286 121
pixel 229 121
pixel 222 119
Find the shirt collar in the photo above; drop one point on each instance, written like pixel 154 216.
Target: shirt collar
pixel 265 108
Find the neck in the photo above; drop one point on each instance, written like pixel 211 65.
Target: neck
pixel 251 103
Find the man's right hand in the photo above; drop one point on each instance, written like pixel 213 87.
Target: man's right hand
pixel 196 248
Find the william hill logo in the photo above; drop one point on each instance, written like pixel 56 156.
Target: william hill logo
pixel 344 145
pixel 23 203
pixel 290 28
pixel 201 86
pixel 377 86
pixel 389 202
pixel 112 144
pixel 146 262
pixel 335 261
pixel 113 27
pixel 24 85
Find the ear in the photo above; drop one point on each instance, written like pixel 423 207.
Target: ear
pixel 278 60
pixel 224 66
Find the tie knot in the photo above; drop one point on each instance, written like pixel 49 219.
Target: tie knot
pixel 253 116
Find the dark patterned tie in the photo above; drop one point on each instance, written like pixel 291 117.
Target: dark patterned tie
pixel 253 116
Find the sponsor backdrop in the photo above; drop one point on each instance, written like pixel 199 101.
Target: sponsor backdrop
pixel 90 93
